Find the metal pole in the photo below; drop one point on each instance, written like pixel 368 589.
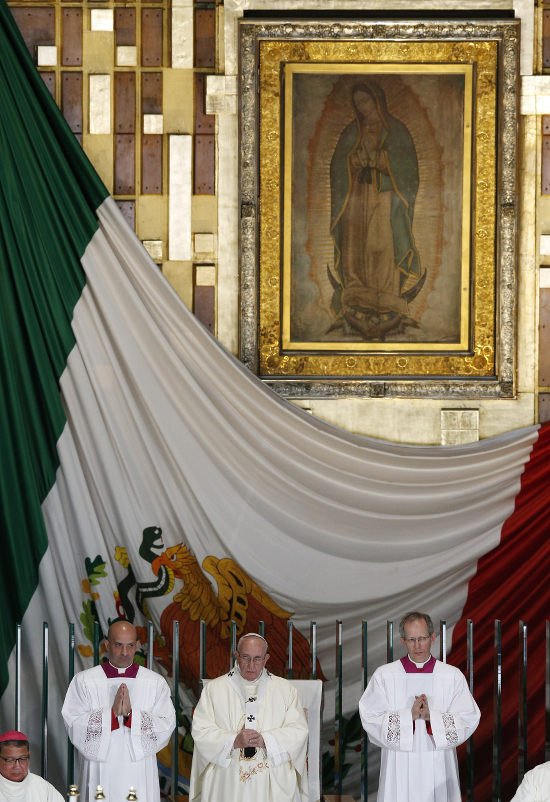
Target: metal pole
pixel 470 680
pixel 45 646
pixel 522 706
pixel 202 650
pixel 389 649
pixel 547 696
pixel 497 716
pixel 70 747
pixel 96 643
pixel 18 677
pixel 313 648
pixel 150 639
pixel 233 644
pixel 338 752
pixel 364 739
pixel 289 649
pixel 175 701
pixel 443 641
pixel 261 629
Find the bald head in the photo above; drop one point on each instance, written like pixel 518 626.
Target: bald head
pixel 122 644
pixel 118 627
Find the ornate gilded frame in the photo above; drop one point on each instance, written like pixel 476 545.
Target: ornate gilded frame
pixel 486 367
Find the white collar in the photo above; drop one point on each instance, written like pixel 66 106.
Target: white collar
pixel 9 788
pixel 419 665
pixel 120 670
pixel 235 679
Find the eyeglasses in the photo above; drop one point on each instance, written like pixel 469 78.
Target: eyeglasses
pixel 11 760
pixel 421 640
pixel 255 660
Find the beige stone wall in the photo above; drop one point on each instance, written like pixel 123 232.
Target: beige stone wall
pixel 400 420
pixel 170 220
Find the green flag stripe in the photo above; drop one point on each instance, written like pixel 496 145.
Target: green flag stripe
pixel 48 195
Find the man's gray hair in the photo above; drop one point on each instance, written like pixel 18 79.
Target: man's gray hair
pixel 251 635
pixel 408 618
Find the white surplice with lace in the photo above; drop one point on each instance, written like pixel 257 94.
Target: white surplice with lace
pixel 124 757
pixel 417 766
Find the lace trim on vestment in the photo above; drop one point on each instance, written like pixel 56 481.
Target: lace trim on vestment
pixel 93 734
pixel 450 729
pixel 394 730
pixel 148 734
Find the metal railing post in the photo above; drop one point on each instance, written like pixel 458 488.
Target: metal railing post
pixel 18 677
pixel 470 681
pixel 547 697
pixel 70 747
pixel 202 650
pixel 150 639
pixel 522 704
pixel 232 643
pixel 175 701
pixel 338 754
pixel 497 716
pixel 261 629
pixel 96 643
pixel 443 641
pixel 389 646
pixel 364 739
pixel 45 651
pixel 290 628
pixel 313 648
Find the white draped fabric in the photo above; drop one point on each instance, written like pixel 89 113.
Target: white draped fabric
pixel 310 694
pixel 173 429
pixel 166 428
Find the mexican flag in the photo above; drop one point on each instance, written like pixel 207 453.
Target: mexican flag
pixel 146 474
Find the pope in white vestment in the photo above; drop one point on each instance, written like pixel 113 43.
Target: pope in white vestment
pixel 119 718
pixel 418 710
pixel 250 735
pixel 535 786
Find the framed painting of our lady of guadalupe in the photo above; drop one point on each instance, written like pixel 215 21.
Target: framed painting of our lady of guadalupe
pixel 376 158
pixel 374 260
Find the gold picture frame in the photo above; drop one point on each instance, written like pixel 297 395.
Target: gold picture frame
pixel 384 228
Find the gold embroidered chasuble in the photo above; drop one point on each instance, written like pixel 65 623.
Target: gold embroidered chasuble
pixel 277 773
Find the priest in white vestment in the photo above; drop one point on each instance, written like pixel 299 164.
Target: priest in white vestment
pixel 535 786
pixel 119 715
pixel 418 710
pixel 250 735
pixel 16 781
